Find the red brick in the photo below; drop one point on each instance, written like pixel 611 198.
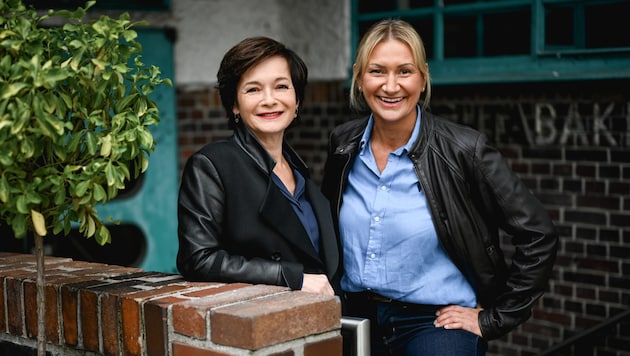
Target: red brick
pixel 156 325
pixel 69 315
pixel 30 308
pixel 14 308
pixel 328 347
pixel 255 324
pixel 3 324
pixel 189 318
pixel 130 314
pixel 109 324
pixel 51 315
pixel 214 288
pixel 180 349
pixel 89 319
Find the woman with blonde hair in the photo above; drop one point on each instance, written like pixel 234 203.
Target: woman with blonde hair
pixel 418 202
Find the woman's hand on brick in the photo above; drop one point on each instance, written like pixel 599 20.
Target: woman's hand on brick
pixel 317 283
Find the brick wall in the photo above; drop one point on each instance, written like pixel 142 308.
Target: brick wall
pixel 115 310
pixel 569 142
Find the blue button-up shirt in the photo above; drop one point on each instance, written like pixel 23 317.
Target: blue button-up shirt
pixel 301 205
pixel 389 241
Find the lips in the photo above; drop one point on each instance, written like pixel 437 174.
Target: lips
pixel 270 115
pixel 390 100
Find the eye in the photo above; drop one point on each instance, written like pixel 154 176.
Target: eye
pixel 251 90
pixel 283 86
pixel 375 71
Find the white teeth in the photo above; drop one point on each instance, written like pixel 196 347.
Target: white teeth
pixel 391 100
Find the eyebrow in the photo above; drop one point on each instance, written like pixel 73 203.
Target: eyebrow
pixel 275 81
pixel 398 66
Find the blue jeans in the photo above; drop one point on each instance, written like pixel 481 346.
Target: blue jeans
pixel 407 329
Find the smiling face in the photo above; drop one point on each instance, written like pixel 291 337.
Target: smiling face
pixel 391 82
pixel 265 98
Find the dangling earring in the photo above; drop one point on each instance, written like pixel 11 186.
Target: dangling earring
pixel 296 113
pixel 237 118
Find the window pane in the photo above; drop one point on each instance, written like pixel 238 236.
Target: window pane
pixel 460 37
pixel 559 26
pixel 420 3
pixel 607 25
pixel 425 30
pixel 376 6
pixel 507 33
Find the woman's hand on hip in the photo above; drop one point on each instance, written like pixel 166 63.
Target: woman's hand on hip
pixel 457 317
pixel 317 283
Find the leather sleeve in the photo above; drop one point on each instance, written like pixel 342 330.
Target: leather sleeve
pixel 533 236
pixel 202 255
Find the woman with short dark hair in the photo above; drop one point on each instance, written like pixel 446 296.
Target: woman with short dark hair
pixel 247 210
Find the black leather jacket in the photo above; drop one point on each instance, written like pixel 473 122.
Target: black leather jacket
pixel 235 225
pixel 472 193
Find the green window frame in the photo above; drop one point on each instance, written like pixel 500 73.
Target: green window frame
pixel 494 41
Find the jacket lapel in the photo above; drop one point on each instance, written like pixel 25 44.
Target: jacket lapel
pixel 277 211
pixel 329 246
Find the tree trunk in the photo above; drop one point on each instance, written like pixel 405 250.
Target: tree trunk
pixel 41 297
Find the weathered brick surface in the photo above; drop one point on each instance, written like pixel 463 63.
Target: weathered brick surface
pixel 14 309
pixel 250 325
pixel 3 324
pixel 190 317
pixel 190 350
pixel 114 310
pixel 326 347
pixel 131 315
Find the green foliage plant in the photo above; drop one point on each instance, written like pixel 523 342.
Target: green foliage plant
pixel 75 117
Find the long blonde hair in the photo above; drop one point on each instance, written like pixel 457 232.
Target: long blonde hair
pixel 379 32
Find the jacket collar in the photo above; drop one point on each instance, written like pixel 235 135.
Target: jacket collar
pixel 255 150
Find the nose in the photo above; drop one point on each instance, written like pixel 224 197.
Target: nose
pixel 391 83
pixel 268 97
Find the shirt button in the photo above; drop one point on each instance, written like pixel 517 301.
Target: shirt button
pixel 377 219
pixel 383 188
pixel 373 256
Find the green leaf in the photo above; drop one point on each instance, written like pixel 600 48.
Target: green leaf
pixel 4 189
pixel 19 225
pixel 124 103
pixel 22 204
pixel 23 118
pixel 92 144
pixel 130 35
pixel 81 188
pixel 10 90
pixel 39 223
pixel 110 174
pixel 99 193
pixel 106 146
pixel 103 236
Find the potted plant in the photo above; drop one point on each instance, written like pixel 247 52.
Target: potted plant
pixel 75 120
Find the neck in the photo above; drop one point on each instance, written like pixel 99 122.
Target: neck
pixel 392 134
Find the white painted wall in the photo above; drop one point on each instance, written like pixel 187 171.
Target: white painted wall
pixel 318 30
